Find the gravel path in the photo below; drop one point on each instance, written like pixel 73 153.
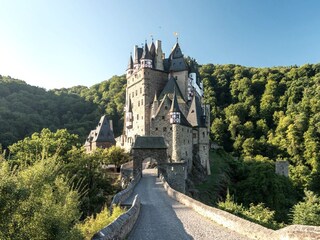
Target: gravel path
pixel 164 218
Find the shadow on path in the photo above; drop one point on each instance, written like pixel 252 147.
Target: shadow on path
pixel 157 219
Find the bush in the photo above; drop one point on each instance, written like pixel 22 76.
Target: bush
pixel 307 212
pixel 37 203
pixel 256 213
pixel 93 224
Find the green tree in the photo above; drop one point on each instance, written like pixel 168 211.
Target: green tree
pixel 37 203
pixel 307 212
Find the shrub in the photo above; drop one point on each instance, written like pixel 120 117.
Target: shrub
pixel 93 224
pixel 307 212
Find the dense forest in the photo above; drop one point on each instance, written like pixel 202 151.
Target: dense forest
pixel 262 115
pixel 258 116
pixel 26 109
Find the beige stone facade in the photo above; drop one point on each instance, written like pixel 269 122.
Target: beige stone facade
pixel 162 99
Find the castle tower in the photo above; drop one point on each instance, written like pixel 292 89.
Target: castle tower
pixel 175 119
pixel 146 59
pixel 159 95
pixel 179 69
pixel 137 56
pixel 159 57
pixel 130 67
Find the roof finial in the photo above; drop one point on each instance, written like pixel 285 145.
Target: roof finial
pixel 151 37
pixel 177 36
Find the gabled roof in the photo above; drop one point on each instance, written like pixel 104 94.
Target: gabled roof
pixel 90 138
pixel 165 100
pixel 177 62
pixel 195 115
pixel 103 132
pixel 176 52
pixel 169 89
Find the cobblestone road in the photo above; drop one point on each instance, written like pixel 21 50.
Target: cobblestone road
pixel 164 218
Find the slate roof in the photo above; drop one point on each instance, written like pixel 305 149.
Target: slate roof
pixel 150 142
pixel 195 116
pixel 175 105
pixel 103 132
pixel 177 62
pixel 90 138
pixel 137 54
pixel 146 54
pixel 130 64
pixel 169 89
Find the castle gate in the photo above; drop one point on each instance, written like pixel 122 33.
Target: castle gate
pixel 147 146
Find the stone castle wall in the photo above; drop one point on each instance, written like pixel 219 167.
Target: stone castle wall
pixel 182 144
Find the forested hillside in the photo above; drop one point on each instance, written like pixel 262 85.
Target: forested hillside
pixel 26 109
pixel 261 115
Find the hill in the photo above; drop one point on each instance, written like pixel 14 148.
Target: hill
pixel 26 109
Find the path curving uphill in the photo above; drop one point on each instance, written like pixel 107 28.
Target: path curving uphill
pixel 164 218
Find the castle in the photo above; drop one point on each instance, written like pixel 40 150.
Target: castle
pixel 164 98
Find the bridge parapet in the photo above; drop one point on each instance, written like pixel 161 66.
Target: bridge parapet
pixel 121 226
pixel 124 194
pixel 242 226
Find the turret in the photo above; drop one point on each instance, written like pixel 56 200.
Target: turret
pixel 175 113
pixel 146 59
pixel 130 67
pixel 129 115
pixel 137 56
pixel 155 106
pixel 152 51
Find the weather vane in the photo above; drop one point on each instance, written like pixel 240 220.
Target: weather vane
pixel 177 35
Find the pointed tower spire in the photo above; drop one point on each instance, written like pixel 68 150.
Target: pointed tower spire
pixel 130 66
pixel 129 115
pixel 175 113
pixel 146 59
pixel 155 105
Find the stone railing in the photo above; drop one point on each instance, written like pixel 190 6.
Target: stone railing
pixel 125 193
pixel 242 226
pixel 121 226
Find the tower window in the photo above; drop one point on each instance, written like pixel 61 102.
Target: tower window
pixel 138 103
pixel 162 117
pixel 165 107
pixel 204 148
pixel 156 129
pixel 140 90
pixel 141 101
pixel 136 92
pixel 164 129
pixel 137 116
pixel 203 134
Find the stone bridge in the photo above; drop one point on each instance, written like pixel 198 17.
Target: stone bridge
pixel 161 212
pixel 161 217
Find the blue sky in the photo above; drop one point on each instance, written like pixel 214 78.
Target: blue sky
pixel 54 44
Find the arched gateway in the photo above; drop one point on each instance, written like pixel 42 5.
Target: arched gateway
pixel 148 146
